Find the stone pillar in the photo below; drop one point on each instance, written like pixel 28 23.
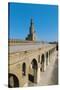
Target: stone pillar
pixel 35 76
pixel 55 53
pixel 50 56
pixel 38 73
pixel 26 84
pixel 40 60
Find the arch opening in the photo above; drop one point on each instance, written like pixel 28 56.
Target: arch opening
pixel 12 81
pixel 34 64
pixel 46 58
pixel 42 63
pixel 33 71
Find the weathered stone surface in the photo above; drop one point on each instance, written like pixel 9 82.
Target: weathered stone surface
pixel 19 54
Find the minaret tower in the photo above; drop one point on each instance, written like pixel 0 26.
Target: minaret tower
pixel 31 35
pixel 32 32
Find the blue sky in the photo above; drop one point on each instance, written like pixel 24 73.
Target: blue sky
pixel 45 18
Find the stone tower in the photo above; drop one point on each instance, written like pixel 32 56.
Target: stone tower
pixel 31 35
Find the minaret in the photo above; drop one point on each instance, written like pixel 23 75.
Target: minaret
pixel 31 27
pixel 31 35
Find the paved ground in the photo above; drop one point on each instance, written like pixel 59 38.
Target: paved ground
pixel 50 76
pixel 26 46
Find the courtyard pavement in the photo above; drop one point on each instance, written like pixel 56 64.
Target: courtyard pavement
pixel 50 76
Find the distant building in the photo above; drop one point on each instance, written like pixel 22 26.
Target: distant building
pixel 31 36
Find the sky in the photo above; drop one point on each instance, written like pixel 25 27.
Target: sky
pixel 45 18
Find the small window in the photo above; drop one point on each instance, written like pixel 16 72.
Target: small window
pixel 24 69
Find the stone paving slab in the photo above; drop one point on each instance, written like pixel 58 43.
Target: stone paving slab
pixel 50 76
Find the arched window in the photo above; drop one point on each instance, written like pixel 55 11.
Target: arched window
pixel 24 69
pixel 42 58
pixel 42 63
pixel 13 80
pixel 46 58
pixel 34 64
